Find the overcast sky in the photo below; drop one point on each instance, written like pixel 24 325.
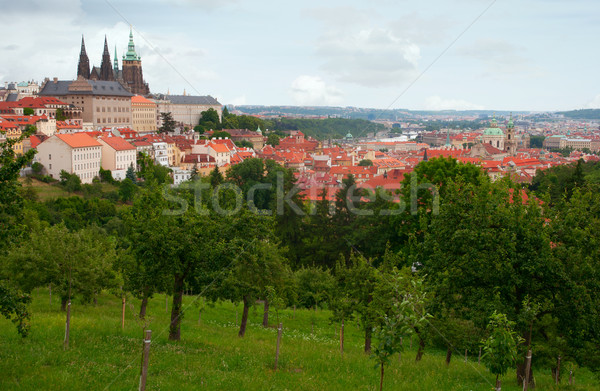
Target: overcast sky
pixel 516 55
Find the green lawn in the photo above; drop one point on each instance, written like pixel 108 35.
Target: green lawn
pixel 210 355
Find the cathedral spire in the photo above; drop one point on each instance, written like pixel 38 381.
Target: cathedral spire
pixel 106 71
pixel 83 68
pixel 131 55
pixel 116 63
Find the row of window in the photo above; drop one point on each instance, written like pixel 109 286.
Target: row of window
pixel 87 166
pixel 92 155
pixel 117 109
pixel 109 120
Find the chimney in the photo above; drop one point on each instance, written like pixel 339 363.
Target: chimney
pixel 55 80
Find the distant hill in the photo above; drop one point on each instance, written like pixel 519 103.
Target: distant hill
pixel 327 128
pixel 582 114
pixel 362 113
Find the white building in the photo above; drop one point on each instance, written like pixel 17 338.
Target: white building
pixel 160 153
pixel 76 153
pixel 117 156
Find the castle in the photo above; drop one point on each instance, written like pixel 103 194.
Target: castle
pixel 130 76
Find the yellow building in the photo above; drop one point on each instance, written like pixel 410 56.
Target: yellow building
pixel 143 114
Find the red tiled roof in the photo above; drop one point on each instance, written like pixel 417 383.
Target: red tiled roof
pixel 78 140
pixel 118 143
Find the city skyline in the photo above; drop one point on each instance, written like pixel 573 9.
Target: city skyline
pixel 470 54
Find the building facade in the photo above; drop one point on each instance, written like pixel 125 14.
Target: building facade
pixel 102 103
pixel 143 114
pixel 186 109
pixel 76 153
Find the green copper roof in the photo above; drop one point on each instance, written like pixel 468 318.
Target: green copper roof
pixel 131 55
pixel 349 135
pixel 116 61
pixel 493 132
pixel 511 124
pixel 258 129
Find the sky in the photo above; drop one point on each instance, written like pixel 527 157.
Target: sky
pixel 538 55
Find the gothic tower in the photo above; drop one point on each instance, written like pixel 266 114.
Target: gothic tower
pixel 510 142
pixel 83 69
pixel 116 64
pixel 133 77
pixel 106 71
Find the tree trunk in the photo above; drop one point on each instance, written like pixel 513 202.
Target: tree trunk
pixel 381 379
pixel 368 333
pixel 63 303
pixel 421 348
pixel 176 315
pixel 521 367
pixel 95 299
pixel 244 317
pixel 143 307
pixel 448 355
pixel 266 314
pixel 498 384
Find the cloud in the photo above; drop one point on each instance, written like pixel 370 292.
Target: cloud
pixel 437 103
pixel 594 103
pixel 499 57
pixel 369 57
pixel 312 90
pixel 357 47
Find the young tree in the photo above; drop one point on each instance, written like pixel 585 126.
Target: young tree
pixel 261 265
pixel 75 263
pixel 500 347
pixel 366 163
pixel 130 174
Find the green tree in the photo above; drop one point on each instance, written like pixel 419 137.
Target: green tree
pixel 261 265
pixel 215 177
pixel 220 134
pixel 209 120
pixel 13 306
pixel 11 202
pixel 244 144
pixel 365 163
pixel 60 115
pixel 273 139
pixel 75 263
pixel 500 347
pixel 106 176
pixel 403 312
pixel 130 174
pixel 127 190
pixel 28 111
pixel 168 123
pixel 71 182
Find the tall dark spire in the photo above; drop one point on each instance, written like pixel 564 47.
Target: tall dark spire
pixel 83 69
pixel 106 71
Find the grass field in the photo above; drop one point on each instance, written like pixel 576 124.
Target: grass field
pixel 210 356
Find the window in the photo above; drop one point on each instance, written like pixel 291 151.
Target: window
pixel 49 156
pixel 50 166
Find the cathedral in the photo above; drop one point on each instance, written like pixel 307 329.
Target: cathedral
pixel 130 76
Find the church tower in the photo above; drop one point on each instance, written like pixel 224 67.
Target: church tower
pixel 83 69
pixel 510 142
pixel 116 64
pixel 106 71
pixel 133 77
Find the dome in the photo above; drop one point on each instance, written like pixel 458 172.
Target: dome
pixel 493 132
pixel 349 135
